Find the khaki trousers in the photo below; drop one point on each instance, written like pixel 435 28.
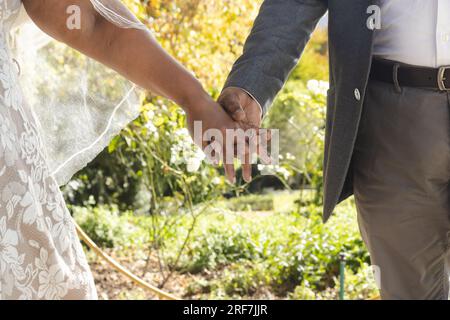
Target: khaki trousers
pixel 401 181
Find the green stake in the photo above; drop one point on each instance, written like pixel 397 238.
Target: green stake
pixel 341 276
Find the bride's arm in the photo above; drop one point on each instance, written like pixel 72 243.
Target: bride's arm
pixel 133 53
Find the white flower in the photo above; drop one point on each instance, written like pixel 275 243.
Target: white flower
pixel 11 196
pixel 283 171
pixel 31 201
pixel 182 132
pixel 12 96
pixel 52 285
pixel 290 156
pixel 8 242
pixel 151 127
pixel 7 133
pixel 193 164
pixel 318 87
pixel 61 230
pixel 216 180
pixel 274 170
pixel 38 172
pixel 29 146
pixel 74 184
pixel 150 114
pixel 184 151
pixel 8 149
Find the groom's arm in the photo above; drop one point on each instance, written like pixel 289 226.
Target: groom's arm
pixel 277 39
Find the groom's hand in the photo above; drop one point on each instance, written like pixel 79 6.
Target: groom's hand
pixel 241 107
pixel 245 111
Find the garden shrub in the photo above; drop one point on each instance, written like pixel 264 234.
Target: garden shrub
pixel 251 203
pixel 281 251
pixel 107 227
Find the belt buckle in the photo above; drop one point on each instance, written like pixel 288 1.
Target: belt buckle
pixel 441 78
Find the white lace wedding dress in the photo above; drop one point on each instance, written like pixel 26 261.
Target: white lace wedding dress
pixel 40 254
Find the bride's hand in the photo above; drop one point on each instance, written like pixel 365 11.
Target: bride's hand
pixel 207 121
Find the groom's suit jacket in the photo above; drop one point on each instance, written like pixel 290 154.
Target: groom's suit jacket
pixel 273 48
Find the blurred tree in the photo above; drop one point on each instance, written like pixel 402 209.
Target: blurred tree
pixel 314 61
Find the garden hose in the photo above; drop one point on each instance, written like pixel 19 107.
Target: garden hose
pixel 118 267
pixel 342 279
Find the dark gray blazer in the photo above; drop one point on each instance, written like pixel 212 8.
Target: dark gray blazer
pixel 273 48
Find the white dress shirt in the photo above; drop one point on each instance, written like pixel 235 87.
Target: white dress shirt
pixel 416 32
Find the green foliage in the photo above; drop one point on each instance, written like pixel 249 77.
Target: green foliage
pixel 296 250
pixel 238 280
pixel 314 61
pixel 299 114
pixel 165 159
pixel 108 228
pixel 216 246
pixel 358 286
pixel 237 255
pixel 282 257
pixel 251 203
pixel 206 36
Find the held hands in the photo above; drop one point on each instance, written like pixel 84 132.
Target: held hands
pixel 243 109
pixel 208 116
pixel 215 132
pixel 229 129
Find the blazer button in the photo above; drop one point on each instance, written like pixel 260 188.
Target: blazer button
pixel 357 95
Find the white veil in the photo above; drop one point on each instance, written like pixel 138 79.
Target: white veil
pixel 79 104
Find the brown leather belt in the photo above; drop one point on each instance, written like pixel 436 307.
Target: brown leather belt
pixel 405 75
